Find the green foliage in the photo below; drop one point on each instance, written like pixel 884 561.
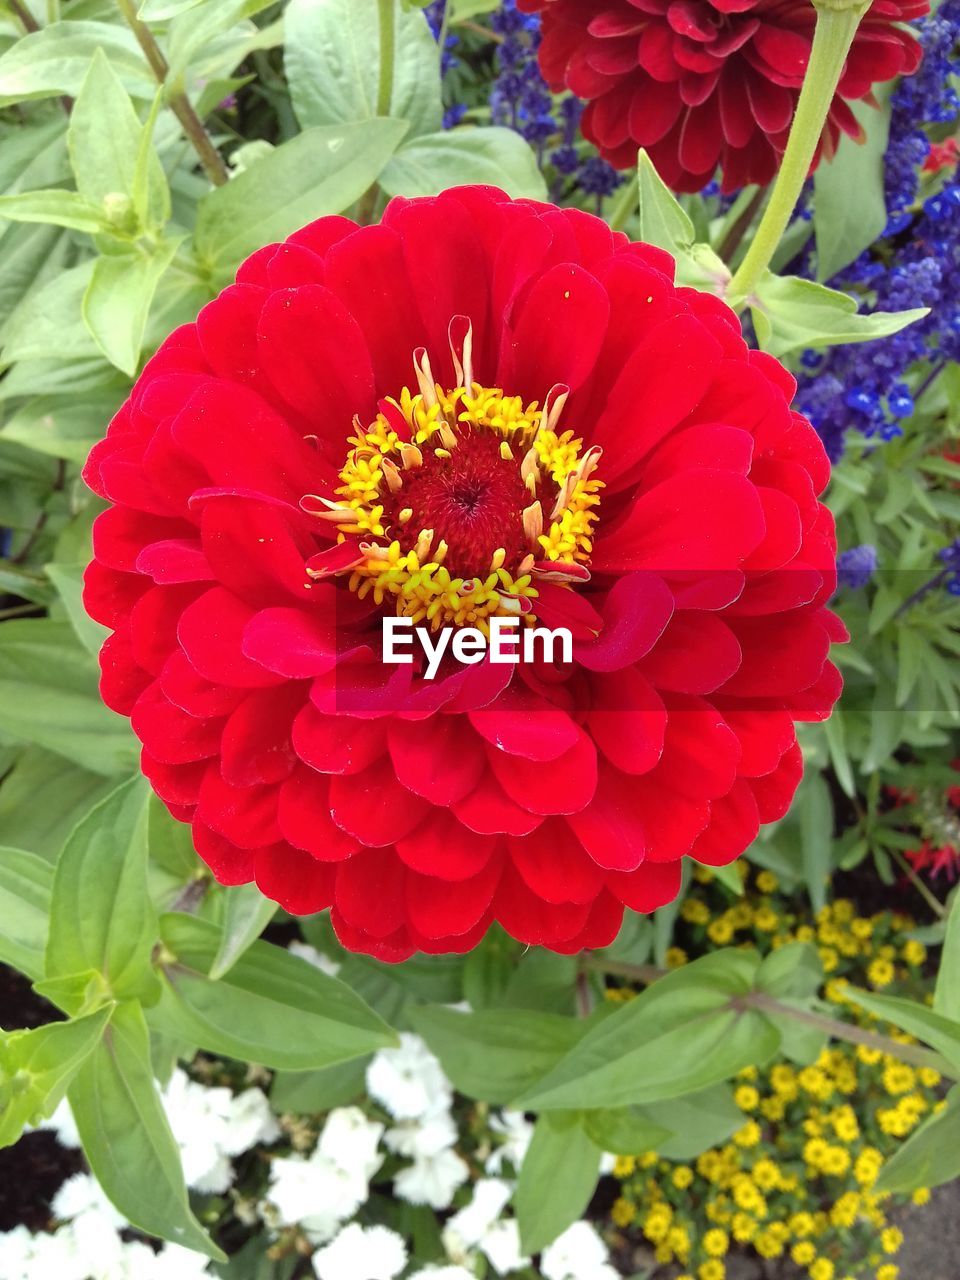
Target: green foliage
pixel 26 886
pixel 849 209
pixel 564 1158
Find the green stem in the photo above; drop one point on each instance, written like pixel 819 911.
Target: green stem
pixel 759 1000
pixel 626 203
pixel 388 53
pixel 832 38
pixel 180 104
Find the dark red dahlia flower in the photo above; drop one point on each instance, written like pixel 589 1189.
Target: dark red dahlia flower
pixel 702 83
pixel 480 408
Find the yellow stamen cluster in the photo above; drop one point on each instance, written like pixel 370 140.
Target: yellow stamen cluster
pixel 558 530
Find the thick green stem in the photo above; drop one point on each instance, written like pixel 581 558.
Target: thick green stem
pixel 835 30
pixel 388 53
pixel 916 1055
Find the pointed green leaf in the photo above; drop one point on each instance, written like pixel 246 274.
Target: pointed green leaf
pixel 26 884
pixel 557 1179
pixel 941 1033
pixel 270 1007
pixel 790 313
pixel 929 1157
pixel 117 302
pixel 849 208
pixel 662 221
pixel 126 1136
pixel 946 1000
pixel 320 171
pixel 490 155
pixel 113 932
pixel 59 208
pixel 56 59
pixel 246 913
pixel 330 47
pixel 36 1067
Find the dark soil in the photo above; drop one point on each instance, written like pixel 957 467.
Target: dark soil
pixel 32 1171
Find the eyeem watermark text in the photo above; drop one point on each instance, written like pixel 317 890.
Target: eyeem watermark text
pixel 506 643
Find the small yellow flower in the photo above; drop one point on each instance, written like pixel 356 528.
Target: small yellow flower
pixel 928 1077
pixel 767 882
pixel 623 1166
pixel 921 1195
pixel 801 1224
pixel 682 1176
pixel 694 911
pixel 846 1210
pixel 623 1212
pixel 743 1227
pixel 868 1056
pixel 768 1245
pixel 676 957
pixel 773 1109
pixel 880 972
pixel 898 1077
pixel 888 1271
pixel 720 931
pixel 749 1135
pixel 914 952
pixel 891 1239
pixel 766 919
pixel 766 1174
pixel 712 1270
pixel 822 1269
pixel 746 1097
pixel 716 1243
pixel 803 1253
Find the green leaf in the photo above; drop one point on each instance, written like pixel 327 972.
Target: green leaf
pixel 55 60
pixel 461 9
pixel 332 51
pixel 662 221
pixel 790 313
pixel 321 171
pixel 942 1033
pixel 495 1054
pixel 310 1092
pixel 490 155
pixel 946 999
pixel 112 932
pixel 849 208
pixel 36 1067
pixel 43 828
pixel 60 208
pixel 48 696
pixel 271 1007
pixel 118 298
pixel 624 1131
pixel 696 1122
pixel 793 971
pixel 26 883
pixel 161 10
pixel 246 913
pixel 126 1136
pixel 105 160
pixel 47 320
pixel 929 1157
pixel 68 580
pixel 814 809
pixel 170 842
pixel 557 1179
pixel 680 1036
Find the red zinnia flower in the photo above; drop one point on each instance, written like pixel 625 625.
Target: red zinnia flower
pixel 277 489
pixel 702 83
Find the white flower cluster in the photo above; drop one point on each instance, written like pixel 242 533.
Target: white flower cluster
pixel 88 1246
pixel 321 1192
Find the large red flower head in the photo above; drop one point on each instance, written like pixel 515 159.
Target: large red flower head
pixel 702 83
pixel 482 408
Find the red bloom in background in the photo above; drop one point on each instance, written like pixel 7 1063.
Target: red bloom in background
pixel 585 445
pixel 702 83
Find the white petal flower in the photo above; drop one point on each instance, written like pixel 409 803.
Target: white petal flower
pixel 63 1125
pixel 443 1273
pixel 173 1262
pixel 468 1227
pixel 578 1254
pixel 516 1131
pixel 407 1081
pixel 250 1122
pixel 361 1253
pixel 501 1244
pixel 81 1194
pixel 426 1137
pixel 432 1180
pixel 350 1140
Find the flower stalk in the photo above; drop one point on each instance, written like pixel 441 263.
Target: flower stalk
pixel 388 54
pixel 836 27
pixel 180 104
